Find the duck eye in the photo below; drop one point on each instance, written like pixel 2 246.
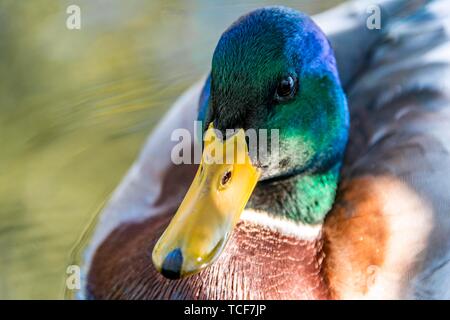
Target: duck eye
pixel 285 89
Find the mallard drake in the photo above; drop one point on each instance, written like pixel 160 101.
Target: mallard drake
pixel 355 209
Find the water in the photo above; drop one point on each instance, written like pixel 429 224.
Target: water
pixel 75 108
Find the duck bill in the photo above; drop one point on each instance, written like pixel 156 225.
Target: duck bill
pixel 203 223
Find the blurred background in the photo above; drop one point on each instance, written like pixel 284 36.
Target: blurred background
pixel 75 108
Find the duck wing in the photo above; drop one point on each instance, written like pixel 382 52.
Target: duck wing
pixel 389 233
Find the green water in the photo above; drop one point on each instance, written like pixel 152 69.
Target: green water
pixel 75 108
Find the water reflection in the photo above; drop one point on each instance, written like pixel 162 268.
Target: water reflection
pixel 75 107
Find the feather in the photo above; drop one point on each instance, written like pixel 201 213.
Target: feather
pixel 400 113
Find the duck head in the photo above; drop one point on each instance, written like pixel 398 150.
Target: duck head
pixel 272 70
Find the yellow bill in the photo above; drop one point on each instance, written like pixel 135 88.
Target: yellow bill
pixel 211 208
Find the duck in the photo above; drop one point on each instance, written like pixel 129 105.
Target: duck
pixel 353 205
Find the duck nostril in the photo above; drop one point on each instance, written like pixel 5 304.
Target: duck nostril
pixel 225 178
pixel 171 267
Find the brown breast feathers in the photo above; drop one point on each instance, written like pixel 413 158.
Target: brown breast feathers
pixel 257 263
